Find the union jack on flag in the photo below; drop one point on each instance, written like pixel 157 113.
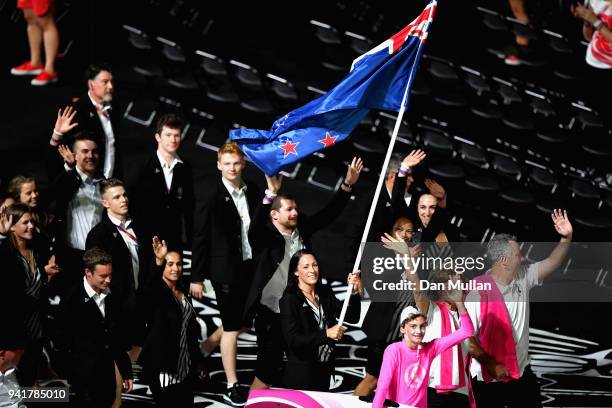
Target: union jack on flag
pixel 377 80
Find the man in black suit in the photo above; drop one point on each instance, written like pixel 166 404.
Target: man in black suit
pixel 118 235
pixel 92 113
pixel 222 253
pixel 275 237
pixel 77 210
pixel 89 335
pixel 164 197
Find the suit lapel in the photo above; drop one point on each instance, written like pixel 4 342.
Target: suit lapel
pixel 157 175
pixel 227 200
pixel 91 304
pixel 177 178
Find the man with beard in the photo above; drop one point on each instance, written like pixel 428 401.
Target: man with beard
pixel 275 237
pixel 92 113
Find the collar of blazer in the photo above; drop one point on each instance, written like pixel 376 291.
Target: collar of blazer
pixel 108 224
pixel 252 193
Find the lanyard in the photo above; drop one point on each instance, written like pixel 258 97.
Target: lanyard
pixel 128 234
pixel 103 112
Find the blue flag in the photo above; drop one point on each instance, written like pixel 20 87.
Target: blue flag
pixel 377 80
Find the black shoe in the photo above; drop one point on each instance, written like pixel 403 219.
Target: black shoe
pixel 236 395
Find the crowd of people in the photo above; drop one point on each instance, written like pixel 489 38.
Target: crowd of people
pixel 113 256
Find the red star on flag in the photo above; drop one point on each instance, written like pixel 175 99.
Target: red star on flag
pixel 329 140
pixel 289 148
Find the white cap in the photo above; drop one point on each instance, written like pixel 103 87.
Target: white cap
pixel 410 310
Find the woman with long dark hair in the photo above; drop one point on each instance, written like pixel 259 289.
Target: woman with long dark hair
pixel 171 349
pixel 309 310
pixel 25 273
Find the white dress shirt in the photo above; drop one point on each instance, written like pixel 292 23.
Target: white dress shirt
pixel 407 198
pixel 109 145
pixel 168 169
pixel 242 205
pixel 273 291
pixel 131 244
pixel 84 211
pixel 8 382
pixel 99 298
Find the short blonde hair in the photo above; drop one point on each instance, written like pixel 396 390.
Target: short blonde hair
pixel 231 148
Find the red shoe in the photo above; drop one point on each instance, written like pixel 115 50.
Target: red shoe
pixel 27 69
pixel 44 78
pixel 512 60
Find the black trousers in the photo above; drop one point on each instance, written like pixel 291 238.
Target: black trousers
pixel 521 393
pixel 309 376
pixel 30 363
pixel 91 396
pixel 270 346
pixel 448 400
pixel 175 395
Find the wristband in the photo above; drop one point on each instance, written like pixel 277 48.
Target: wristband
pixel 269 196
pixel 404 170
pixel 55 132
pixel 345 184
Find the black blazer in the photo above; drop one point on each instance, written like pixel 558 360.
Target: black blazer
pixel 269 245
pixel 106 236
pixel 89 122
pixel 301 331
pixel 91 343
pixel 383 216
pixel 167 214
pixel 217 243
pixel 162 317
pixel 439 219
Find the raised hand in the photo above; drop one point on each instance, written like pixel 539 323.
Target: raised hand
pixel 396 245
pixel 400 246
pixel 414 158
pixel 64 124
pixel 353 171
pixel 274 182
pixel 160 249
pixel 584 13
pixel 6 221
pixel 435 189
pixel 66 154
pixel 562 224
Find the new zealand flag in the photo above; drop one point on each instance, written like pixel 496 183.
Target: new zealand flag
pixel 377 80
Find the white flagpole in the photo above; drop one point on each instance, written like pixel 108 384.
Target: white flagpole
pixel 381 179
